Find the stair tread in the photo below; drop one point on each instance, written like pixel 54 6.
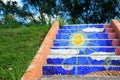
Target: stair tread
pixel 85 39
pixel 88 42
pixel 80 65
pixel 68 33
pixel 85 55
pixel 90 36
pixel 86 27
pixel 85 47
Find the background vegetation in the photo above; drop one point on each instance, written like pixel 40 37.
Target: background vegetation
pixel 17 48
pixel 72 11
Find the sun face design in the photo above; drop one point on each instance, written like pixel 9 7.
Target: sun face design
pixel 78 39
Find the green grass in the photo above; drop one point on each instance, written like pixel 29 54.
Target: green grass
pixel 17 48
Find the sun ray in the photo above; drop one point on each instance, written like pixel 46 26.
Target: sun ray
pixel 86 56
pixel 91 49
pixel 66 56
pixel 59 51
pixel 88 25
pixel 92 43
pixel 76 71
pixel 67 45
pixel 64 42
pixel 78 28
pixel 74 28
pixel 67 34
pixel 77 57
pixel 89 34
pixel 69 30
pixel 95 36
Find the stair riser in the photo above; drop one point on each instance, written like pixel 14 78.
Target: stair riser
pixel 74 70
pixel 85 26
pixel 83 60
pixel 109 30
pixel 88 43
pixel 88 50
pixel 90 36
pixel 85 50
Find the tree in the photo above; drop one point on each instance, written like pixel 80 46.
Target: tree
pixel 41 8
pixel 92 11
pixel 72 11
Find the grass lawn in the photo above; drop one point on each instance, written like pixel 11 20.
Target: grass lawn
pixel 17 48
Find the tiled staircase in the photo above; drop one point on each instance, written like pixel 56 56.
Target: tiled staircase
pixel 83 49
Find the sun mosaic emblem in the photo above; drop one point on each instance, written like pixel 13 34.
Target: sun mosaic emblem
pixel 78 39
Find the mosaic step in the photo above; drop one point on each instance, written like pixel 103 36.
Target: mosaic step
pixel 85 26
pixel 76 69
pixel 89 36
pixel 92 59
pixel 100 30
pixel 84 42
pixel 89 30
pixel 84 49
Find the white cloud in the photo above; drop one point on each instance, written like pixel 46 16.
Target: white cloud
pixel 95 55
pixel 93 29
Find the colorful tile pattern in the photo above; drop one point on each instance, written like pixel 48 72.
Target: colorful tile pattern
pixel 87 48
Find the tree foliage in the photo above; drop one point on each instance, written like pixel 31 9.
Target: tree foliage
pixel 10 13
pixel 71 11
pixel 92 11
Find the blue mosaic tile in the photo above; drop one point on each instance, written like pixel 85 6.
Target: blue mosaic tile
pixel 82 70
pixel 52 70
pixel 91 47
pixel 88 43
pixel 83 26
pixel 80 60
pixel 90 50
pixel 76 70
pixel 89 36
